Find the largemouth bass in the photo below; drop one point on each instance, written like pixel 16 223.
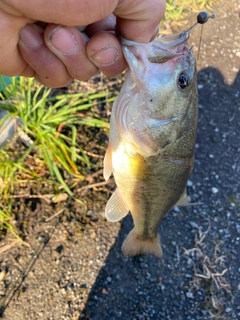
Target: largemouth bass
pixel 152 136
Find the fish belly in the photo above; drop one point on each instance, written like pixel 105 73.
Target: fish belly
pixel 150 187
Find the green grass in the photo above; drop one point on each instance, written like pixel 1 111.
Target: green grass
pixel 43 117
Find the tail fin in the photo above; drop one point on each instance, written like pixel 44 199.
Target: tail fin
pixel 134 245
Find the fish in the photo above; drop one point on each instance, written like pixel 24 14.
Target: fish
pixel 152 136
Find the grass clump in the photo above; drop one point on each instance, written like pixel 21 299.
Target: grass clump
pixel 47 125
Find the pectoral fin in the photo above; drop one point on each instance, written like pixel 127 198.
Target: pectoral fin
pixel 116 209
pixel 183 201
pixel 107 163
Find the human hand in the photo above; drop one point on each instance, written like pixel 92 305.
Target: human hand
pixel 55 54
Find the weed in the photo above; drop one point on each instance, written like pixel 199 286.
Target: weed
pixel 47 125
pixel 43 118
pixel 209 271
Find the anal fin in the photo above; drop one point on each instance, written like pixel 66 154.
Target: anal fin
pixel 183 201
pixel 116 209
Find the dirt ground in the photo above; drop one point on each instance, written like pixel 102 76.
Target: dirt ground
pixel 71 266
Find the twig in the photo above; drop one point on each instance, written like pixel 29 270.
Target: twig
pixel 94 155
pixel 178 255
pixel 91 177
pixel 30 196
pixel 221 259
pixel 220 274
pixel 93 185
pixel 217 248
pixel 29 265
pixel 187 252
pixel 208 270
pixel 8 246
pixel 54 215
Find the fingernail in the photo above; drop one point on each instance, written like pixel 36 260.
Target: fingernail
pixel 62 39
pixel 155 34
pixel 105 57
pixel 31 36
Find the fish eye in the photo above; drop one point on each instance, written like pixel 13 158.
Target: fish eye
pixel 183 80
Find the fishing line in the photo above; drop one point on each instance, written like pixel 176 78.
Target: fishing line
pixel 202 18
pixel 199 45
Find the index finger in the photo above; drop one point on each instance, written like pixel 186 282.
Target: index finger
pixel 66 12
pixel 138 20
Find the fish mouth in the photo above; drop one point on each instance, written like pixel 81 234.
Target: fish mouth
pixel 168 47
pixel 171 42
pixel 160 50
